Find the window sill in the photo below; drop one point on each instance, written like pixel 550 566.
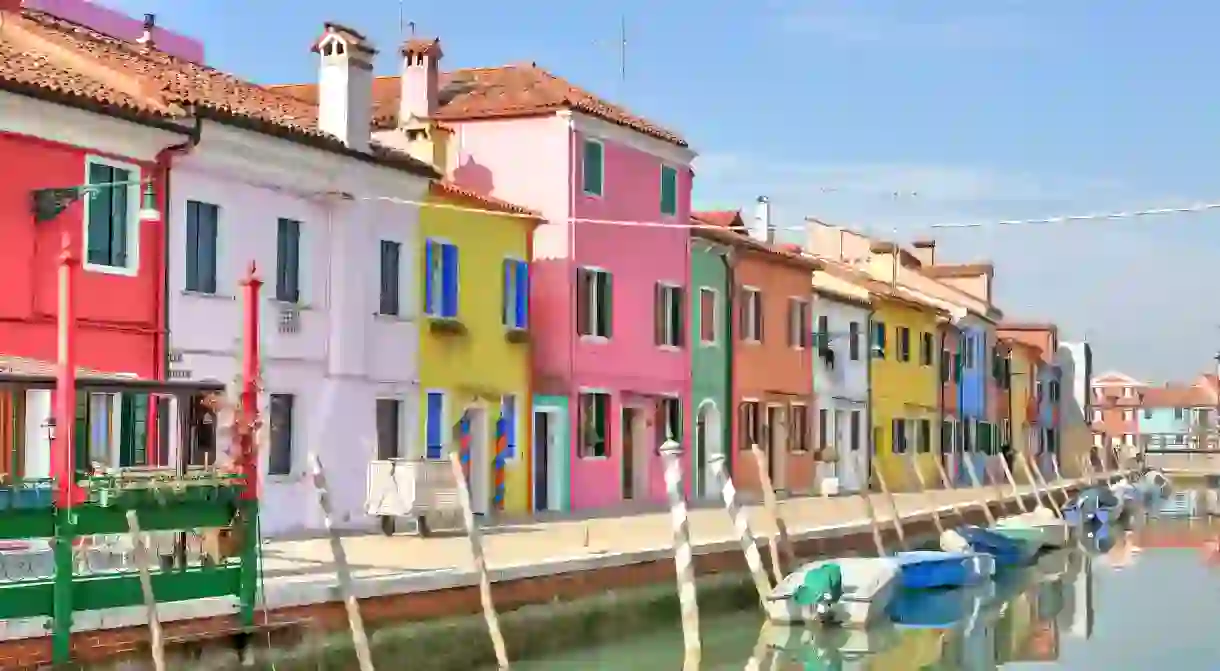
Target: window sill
pixel 446 325
pixel 392 319
pixel 669 348
pixel 594 339
pixel 517 336
pixel 122 271
pixel 750 341
pixel 191 293
pixel 299 305
pixel 709 343
pixel 584 458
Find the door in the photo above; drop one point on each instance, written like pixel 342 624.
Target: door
pixel 699 473
pixel 542 460
pixel 630 415
pixel 707 446
pixel 480 462
pixel 777 433
pixel 851 456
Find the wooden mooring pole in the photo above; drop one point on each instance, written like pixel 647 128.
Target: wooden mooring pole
pixel 475 536
pixel 139 543
pixel 889 495
pixel 1012 482
pixel 781 527
pixel 974 479
pixel 360 640
pixel 741 525
pixel 927 495
pixel 948 485
pixel 684 557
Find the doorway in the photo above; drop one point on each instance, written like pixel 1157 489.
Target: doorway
pixel 634 473
pixel 480 461
pixel 547 461
pixel 777 440
pixel 708 445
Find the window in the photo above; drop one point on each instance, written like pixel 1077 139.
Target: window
pixel 594 304
pixel 434 425
pixel 1128 415
pixel 279 461
pixel 112 221
pixel 1054 390
pixel 823 428
pixel 798 322
pixel 668 319
pixel 506 426
pixel 1127 392
pixel 1038 390
pixel 391 277
pixel 750 415
pixel 925 435
pixel 389 428
pixel 1006 433
pixel 983 438
pixel 879 340
pixel 288 261
pixel 969 345
pixel 822 339
pixel 853 340
pixel 946 437
pixel 1128 439
pixel 708 328
pixel 899 444
pixel 97 424
pixel 1178 413
pixel 968 431
pixel 751 315
pixel 1096 415
pixel 1148 413
pixel 904 343
pixel 946 366
pixel 593 168
pixel 798 434
pixel 957 366
pixel 669 422
pixel 201 230
pixel 854 430
pixel 1097 440
pixel 669 191
pixel 441 284
pixel 133 430
pixel 594 419
pixel 925 349
pixel 515 294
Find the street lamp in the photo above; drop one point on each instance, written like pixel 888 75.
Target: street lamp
pixel 46 204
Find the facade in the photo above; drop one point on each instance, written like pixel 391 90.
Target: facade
pixel 976 443
pixel 712 345
pixel 1023 360
pixel 772 356
pixel 842 313
pixel 55 124
pixel 950 393
pixel 474 349
pixel 340 325
pixel 1175 415
pixel 593 285
pixel 1043 340
pixel 999 395
pixel 1072 399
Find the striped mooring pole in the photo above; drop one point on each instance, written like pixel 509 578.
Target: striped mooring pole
pixel 684 556
pixel 501 458
pixel 741 524
pixel 463 435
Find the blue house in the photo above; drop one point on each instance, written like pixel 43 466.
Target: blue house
pixel 976 337
pixel 1171 414
pixel 1049 387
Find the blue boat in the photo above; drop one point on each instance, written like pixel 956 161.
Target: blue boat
pixel 1007 551
pixel 939 609
pixel 931 569
pixel 1096 505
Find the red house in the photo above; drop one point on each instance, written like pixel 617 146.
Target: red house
pixel 67 123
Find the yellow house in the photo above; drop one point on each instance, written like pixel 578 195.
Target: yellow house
pixel 474 350
pixel 1023 362
pixel 904 387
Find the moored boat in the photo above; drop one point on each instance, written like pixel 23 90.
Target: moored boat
pixel 1047 532
pixel 849 592
pixel 1007 551
pixel 930 569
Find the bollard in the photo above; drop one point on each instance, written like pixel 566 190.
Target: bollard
pixel 475 537
pixel 684 557
pixel 139 542
pixel 772 506
pixel 741 524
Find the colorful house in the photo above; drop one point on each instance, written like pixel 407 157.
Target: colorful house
pixel 606 383
pixel 1024 362
pixel 999 401
pixel 474 348
pixel 1043 340
pixel 772 355
pixel 950 381
pixel 1175 415
pixel 712 345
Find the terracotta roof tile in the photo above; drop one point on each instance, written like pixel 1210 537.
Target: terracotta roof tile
pixel 959 270
pixel 727 234
pixel 1177 396
pixel 495 93
pixel 444 188
pixel 721 218
pixel 57 55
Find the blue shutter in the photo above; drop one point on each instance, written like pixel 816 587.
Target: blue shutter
pixel 449 280
pixel 435 432
pixel 506 294
pixel 429 284
pixel 523 294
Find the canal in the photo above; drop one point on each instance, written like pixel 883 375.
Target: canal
pixel 1140 598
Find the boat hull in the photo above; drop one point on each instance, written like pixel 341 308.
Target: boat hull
pixel 932 569
pixel 1007 551
pixel 868 585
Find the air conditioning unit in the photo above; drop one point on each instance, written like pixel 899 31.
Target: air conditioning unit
pixel 290 318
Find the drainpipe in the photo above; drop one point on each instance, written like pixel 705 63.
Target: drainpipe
pixel 164 163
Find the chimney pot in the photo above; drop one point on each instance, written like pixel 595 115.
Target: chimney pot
pixel 420 79
pixel 345 85
pixel 150 25
pixel 760 228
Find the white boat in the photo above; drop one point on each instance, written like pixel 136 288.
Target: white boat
pixel 1040 526
pixel 868 584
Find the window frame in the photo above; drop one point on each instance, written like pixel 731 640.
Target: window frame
pixel 514 316
pixel 601 172
pixel 272 461
pixel 671 427
pixel 903 335
pixel 855 429
pixel 853 342
pixel 607 437
pixel 749 433
pixel 389 294
pixel 878 341
pixel 798 442
pixel 444 422
pixel 669 331
pixel 282 292
pixel 435 306
pixel 665 170
pixel 133 195
pixel 926 356
pixel 191 282
pixel 714 314
pixel 898 435
pixel 800 317
pixel 751 315
pixel 593 309
pixel 400 425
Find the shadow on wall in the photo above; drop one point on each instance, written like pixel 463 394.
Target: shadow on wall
pixel 475 177
pixel 1076 436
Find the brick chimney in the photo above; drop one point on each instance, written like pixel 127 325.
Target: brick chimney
pixel 345 85
pixel 420 79
pixel 925 251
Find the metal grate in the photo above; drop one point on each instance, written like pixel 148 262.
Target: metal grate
pixel 290 319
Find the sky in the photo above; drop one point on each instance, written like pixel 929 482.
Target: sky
pixel 890 116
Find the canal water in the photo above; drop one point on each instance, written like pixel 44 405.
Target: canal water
pixel 1146 597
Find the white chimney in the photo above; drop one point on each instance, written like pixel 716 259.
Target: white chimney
pixel 760 227
pixel 147 39
pixel 345 85
pixel 420 80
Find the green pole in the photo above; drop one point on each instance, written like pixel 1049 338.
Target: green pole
pixel 61 632
pixel 248 582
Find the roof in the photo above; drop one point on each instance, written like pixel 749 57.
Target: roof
pixel 1115 378
pixel 38 374
pixel 959 270
pixel 1028 326
pixel 47 57
pixel 518 90
pixel 451 190
pixel 878 288
pixel 1030 348
pixel 1177 396
pixel 718 227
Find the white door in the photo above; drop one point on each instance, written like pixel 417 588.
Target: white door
pixel 708 433
pixel 480 462
pixel 852 455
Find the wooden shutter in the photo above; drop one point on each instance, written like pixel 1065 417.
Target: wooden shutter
pixel 523 294
pixel 97 231
pixel 435 432
pixel 583 299
pixel 508 308
pixel 605 316
pixel 758 314
pixel 430 260
pixel 679 317
pixel 449 278
pixel 80 446
pixel 389 277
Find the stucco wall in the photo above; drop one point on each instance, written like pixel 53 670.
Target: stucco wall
pixel 709 366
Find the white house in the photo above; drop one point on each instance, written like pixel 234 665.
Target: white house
pixel 337 257
pixel 840 380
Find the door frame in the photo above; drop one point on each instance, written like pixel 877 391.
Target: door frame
pixel 713 442
pixel 639 452
pixel 554 457
pixel 777 458
pixel 480 458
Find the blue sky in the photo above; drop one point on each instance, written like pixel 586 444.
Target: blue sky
pixel 968 111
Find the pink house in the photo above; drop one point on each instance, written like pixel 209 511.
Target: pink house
pixel 608 300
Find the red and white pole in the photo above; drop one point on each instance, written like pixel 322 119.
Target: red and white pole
pixel 63 462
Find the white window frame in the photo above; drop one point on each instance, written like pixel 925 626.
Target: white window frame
pixel 1097 442
pixel 594 308
pixel 1096 415
pixel 751 300
pixel 1128 439
pixel 661 184
pixel 679 433
pixel 715 316
pixel 670 291
pixel 134 194
pixel 1128 415
pixel 583 178
pixel 759 418
pixel 1127 392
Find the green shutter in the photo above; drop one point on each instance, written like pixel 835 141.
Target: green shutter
pixel 97 231
pixel 593 168
pixel 133 432
pixel 81 435
pixel 669 190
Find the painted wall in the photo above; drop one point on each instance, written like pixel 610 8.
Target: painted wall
pixel 950 366
pixel 480 364
pixel 1074 361
pixel 709 366
pixel 1024 408
pixel 774 373
pixel 972 396
pixel 1166 423
pixel 903 390
pixel 341 358
pixel 842 389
